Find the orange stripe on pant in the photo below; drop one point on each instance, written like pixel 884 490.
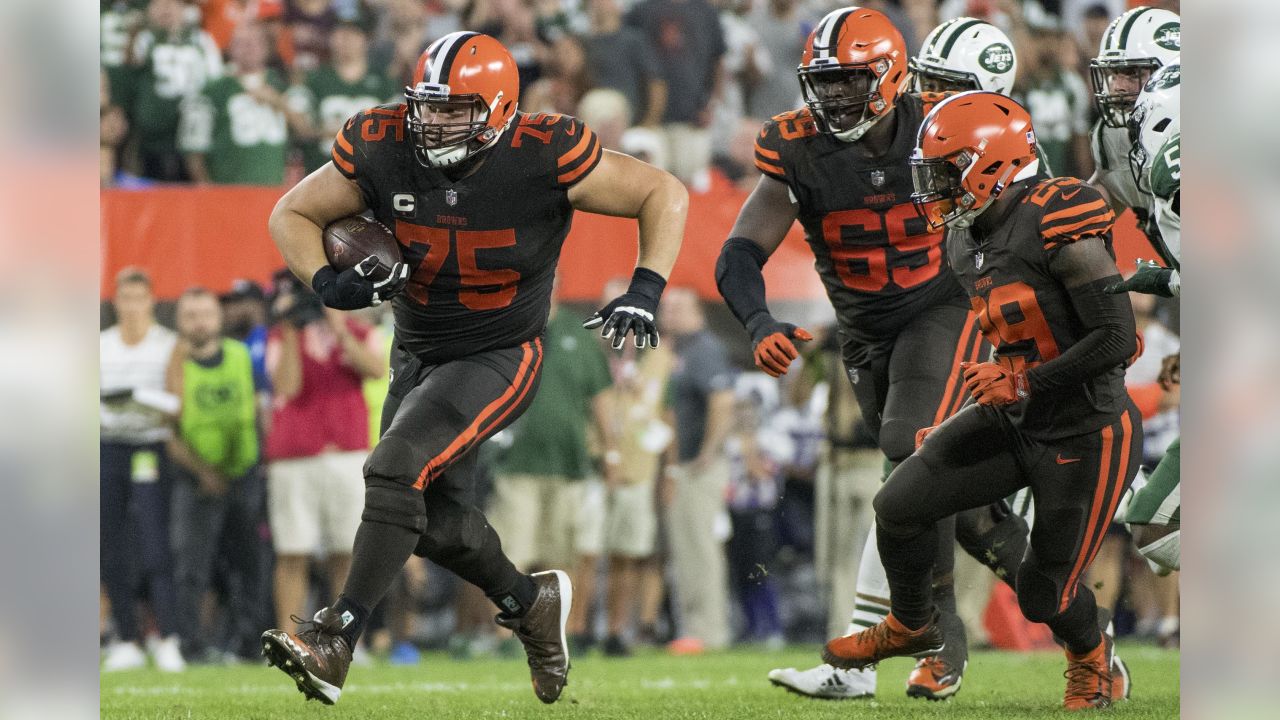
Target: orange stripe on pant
pixel 1103 507
pixel 532 355
pixel 1117 480
pixel 948 404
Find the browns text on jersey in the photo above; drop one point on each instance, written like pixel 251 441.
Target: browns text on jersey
pixel 878 260
pixel 483 248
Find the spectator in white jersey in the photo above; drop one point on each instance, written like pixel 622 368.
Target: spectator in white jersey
pixel 133 489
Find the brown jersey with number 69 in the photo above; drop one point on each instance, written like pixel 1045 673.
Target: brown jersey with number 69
pixel 1026 312
pixel 483 248
pixel 878 260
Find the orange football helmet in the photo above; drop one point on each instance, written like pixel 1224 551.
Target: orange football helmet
pixel 970 147
pixel 854 63
pixel 464 93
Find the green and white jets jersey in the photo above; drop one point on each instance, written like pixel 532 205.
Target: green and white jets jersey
pixel 243 141
pixel 1165 178
pixel 1111 155
pixel 118 21
pixel 170 68
pixel 329 101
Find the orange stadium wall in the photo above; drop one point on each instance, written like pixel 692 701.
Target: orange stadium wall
pixel 210 236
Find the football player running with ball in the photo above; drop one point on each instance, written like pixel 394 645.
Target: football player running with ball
pixel 480 197
pixel 1051 412
pixel 840 167
pixel 1154 514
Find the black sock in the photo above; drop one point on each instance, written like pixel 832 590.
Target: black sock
pixel 908 564
pixel 355 624
pixel 1077 626
pixel 516 600
pixel 377 558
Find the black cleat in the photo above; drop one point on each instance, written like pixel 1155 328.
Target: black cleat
pixel 541 630
pixel 317 658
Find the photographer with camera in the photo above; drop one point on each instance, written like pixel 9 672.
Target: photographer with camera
pixel 317 359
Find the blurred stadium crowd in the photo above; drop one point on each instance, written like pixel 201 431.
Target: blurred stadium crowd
pixel 697 503
pixel 253 91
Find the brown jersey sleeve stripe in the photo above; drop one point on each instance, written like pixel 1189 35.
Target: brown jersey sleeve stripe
pixel 770 169
pixel 1073 211
pixel 344 143
pixel 578 150
pixel 593 158
pixel 1105 217
pixel 347 167
pixel 768 154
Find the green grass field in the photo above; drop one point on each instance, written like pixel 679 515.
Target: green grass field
pixel 651 686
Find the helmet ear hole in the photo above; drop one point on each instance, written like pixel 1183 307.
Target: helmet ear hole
pixel 995 167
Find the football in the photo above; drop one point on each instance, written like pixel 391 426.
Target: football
pixel 352 239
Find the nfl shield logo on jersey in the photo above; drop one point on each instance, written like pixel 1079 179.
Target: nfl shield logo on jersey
pixel 977 261
pixel 451 197
pixel 877 179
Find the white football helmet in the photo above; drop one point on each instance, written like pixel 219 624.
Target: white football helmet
pixel 1135 45
pixel 965 54
pixel 1154 120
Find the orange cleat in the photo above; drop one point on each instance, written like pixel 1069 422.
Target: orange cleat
pixel 887 639
pixel 1088 676
pixel 934 679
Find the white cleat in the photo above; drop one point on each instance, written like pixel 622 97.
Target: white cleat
pixel 123 656
pixel 167 654
pixel 826 682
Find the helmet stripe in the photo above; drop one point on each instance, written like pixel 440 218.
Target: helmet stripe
pixel 941 32
pixel 830 32
pixel 442 59
pixel 1133 19
pixel 951 41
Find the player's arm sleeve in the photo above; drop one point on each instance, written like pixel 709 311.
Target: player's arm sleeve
pixel 740 279
pixel 1085 266
pixel 577 151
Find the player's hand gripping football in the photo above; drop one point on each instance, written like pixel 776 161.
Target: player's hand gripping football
pixel 772 344
pixel 353 289
pixel 632 312
pixel 993 384
pixel 1148 279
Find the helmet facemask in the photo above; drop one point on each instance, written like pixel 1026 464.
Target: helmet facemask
pixel 447 129
pixel 845 99
pixel 940 196
pixel 942 186
pixel 1117 84
pixel 931 79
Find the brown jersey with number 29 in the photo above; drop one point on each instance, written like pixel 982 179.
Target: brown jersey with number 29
pixel 1026 312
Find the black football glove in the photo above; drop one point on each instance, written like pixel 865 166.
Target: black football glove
pixel 632 312
pixel 1148 279
pixel 352 288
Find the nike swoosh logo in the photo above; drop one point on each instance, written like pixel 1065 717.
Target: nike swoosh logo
pixel 1074 193
pixel 1065 461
